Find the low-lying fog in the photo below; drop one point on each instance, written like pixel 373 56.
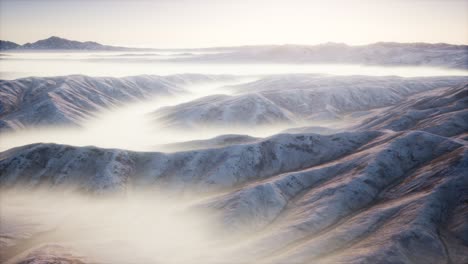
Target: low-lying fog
pixel 132 127
pixel 119 64
pixel 143 227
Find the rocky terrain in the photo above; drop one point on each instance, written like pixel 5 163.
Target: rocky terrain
pixel 397 199
pixel 392 189
pixel 440 111
pixel 216 142
pixel 298 100
pixel 97 170
pixel 68 100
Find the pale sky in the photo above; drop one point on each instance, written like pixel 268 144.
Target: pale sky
pixel 203 23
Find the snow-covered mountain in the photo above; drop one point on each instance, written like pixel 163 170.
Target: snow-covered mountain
pixel 353 197
pixel 224 110
pixel 382 53
pixel 386 192
pixel 398 197
pixel 326 82
pixel 298 99
pixel 95 169
pixel 216 142
pixel 67 100
pixel 440 111
pixel 235 164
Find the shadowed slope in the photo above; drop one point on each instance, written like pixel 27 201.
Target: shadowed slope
pixel 68 100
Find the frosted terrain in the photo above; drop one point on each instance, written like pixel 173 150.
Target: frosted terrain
pixel 136 161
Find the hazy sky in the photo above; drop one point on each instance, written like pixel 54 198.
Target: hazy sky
pixel 200 23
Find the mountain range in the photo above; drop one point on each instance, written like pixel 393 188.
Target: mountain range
pixel 298 100
pixel 353 169
pixel 391 190
pixel 295 99
pixel 57 43
pixel 381 53
pixel 36 101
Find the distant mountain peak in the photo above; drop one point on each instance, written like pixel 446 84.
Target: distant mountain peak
pixel 58 43
pixel 55 37
pixel 55 42
pixel 6 45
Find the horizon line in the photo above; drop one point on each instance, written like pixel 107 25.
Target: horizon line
pixel 143 46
